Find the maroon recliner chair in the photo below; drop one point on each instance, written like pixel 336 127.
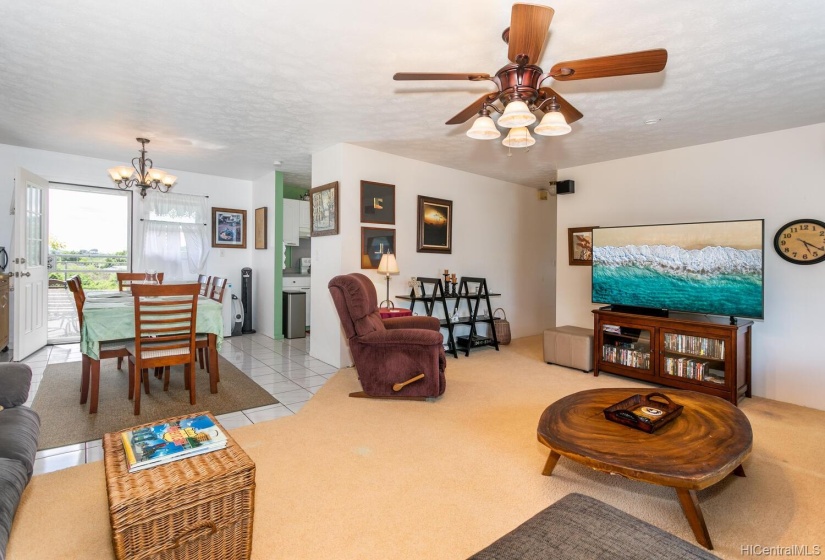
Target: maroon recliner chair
pixel 401 357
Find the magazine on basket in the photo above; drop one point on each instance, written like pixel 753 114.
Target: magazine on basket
pixel 169 441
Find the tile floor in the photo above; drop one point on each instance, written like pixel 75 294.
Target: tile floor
pixel 283 367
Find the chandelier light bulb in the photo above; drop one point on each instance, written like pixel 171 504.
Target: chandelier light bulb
pixel 516 114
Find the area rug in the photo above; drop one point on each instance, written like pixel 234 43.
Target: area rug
pixel 65 421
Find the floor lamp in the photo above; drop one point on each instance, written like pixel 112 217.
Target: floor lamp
pixel 388 265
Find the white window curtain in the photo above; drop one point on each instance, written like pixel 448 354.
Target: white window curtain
pixel 175 235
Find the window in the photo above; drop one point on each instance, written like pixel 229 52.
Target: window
pixel 175 239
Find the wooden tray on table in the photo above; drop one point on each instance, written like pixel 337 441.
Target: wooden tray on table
pixel 643 412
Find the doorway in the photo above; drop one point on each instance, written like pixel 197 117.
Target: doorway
pixel 89 236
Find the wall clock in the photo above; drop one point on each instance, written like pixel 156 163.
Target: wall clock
pixel 801 241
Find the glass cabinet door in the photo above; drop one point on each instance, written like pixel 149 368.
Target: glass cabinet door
pixel 626 346
pixel 697 358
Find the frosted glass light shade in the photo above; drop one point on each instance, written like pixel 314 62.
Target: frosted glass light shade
pixel 519 138
pixel 516 114
pixel 553 124
pixel 169 180
pixel 388 265
pixel 156 174
pixel 114 173
pixel 483 129
pixel 125 171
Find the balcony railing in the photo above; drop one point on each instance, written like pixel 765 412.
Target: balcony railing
pixel 97 271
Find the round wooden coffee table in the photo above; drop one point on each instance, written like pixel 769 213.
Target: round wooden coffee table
pixel 707 442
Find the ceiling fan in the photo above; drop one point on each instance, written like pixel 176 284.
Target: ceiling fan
pixel 519 83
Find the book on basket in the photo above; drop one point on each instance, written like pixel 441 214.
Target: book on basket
pixel 165 442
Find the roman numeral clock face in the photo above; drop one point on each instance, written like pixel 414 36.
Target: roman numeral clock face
pixel 801 242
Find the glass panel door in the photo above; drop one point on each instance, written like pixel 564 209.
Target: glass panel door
pixel 697 358
pixel 627 346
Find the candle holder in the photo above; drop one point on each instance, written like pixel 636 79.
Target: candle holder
pixel 446 276
pixel 455 283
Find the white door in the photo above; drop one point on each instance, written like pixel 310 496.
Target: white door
pixel 31 275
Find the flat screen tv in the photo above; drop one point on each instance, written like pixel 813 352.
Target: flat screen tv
pixel 713 268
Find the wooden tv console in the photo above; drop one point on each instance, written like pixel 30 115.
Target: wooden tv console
pixel 684 351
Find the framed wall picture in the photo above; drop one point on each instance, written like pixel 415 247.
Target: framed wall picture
pixel 260 228
pixel 323 209
pixel 580 246
pixel 229 228
pixel 374 243
pixel 377 203
pixel 435 225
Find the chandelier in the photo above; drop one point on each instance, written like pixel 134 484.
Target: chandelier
pixel 517 116
pixel 142 174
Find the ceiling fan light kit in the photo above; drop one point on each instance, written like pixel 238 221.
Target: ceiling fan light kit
pixel 142 174
pixel 519 84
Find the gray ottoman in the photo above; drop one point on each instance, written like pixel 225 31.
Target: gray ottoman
pixel 570 347
pixel 579 527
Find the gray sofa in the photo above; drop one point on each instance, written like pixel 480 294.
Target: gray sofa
pixel 19 429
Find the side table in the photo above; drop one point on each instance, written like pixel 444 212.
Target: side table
pixel 394 312
pixel 200 506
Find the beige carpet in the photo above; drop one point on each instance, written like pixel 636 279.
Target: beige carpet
pixel 359 478
pixel 63 420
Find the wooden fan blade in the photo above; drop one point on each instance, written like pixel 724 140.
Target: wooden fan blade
pixel 571 114
pixel 473 108
pixel 528 31
pixel 643 62
pixel 400 76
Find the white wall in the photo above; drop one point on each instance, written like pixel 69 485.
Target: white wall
pixel 776 176
pixel 501 231
pixel 263 260
pixel 222 191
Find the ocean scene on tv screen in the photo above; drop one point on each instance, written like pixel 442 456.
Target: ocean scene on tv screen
pixel 711 268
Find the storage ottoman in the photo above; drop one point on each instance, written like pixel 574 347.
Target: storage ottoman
pixel 570 347
pixel 198 507
pixel 579 527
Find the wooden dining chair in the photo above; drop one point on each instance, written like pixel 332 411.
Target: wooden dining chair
pixel 125 279
pixel 205 282
pixel 216 291
pixel 164 334
pixel 109 349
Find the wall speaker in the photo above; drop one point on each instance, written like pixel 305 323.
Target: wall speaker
pixel 565 187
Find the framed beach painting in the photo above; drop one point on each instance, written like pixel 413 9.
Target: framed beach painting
pixel 323 208
pixel 435 225
pixel 228 228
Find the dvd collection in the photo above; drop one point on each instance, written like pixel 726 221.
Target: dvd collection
pixel 697 345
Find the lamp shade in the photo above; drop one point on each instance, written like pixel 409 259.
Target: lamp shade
pixel 519 138
pixel 483 129
pixel 553 124
pixel 516 114
pixel 388 264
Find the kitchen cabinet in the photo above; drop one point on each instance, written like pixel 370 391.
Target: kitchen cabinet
pixel 299 283
pixel 304 228
pixel 291 217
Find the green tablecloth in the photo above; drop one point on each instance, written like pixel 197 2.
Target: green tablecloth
pixel 112 317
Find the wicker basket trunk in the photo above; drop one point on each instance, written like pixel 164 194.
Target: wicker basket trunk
pixel 195 508
pixel 502 327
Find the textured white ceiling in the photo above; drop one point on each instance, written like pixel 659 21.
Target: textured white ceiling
pixel 225 87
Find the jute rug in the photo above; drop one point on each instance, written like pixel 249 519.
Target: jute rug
pixel 377 479
pixel 63 420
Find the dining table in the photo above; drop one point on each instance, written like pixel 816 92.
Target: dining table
pixel 110 316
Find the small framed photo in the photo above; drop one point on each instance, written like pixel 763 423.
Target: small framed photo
pixel 229 228
pixel 377 203
pixel 435 225
pixel 323 208
pixel 580 245
pixel 374 243
pixel 260 228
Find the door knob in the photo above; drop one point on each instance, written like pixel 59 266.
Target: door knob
pixel 25 274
